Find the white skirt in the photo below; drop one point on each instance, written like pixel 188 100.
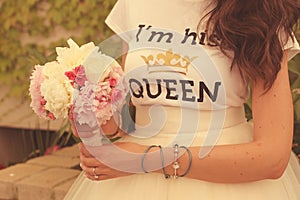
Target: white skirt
pixel 153 186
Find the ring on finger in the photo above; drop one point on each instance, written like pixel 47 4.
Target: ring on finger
pixel 92 177
pixel 94 173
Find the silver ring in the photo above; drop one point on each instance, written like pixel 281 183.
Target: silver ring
pixel 94 173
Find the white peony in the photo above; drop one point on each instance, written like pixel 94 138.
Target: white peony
pixel 97 66
pixel 73 56
pixel 54 70
pixel 58 97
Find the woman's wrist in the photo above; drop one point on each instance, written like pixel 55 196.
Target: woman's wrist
pixel 169 166
pixel 111 127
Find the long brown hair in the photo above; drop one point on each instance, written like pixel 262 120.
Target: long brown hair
pixel 250 29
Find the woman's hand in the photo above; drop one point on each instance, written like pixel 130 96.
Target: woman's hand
pixel 95 169
pixel 110 129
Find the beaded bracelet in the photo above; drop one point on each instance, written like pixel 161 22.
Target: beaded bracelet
pixel 175 164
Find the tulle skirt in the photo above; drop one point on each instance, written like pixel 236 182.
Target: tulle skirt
pixel 152 186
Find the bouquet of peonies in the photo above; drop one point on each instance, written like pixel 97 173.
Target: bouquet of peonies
pixel 82 83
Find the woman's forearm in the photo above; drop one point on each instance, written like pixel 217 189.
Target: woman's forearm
pixel 268 155
pixel 235 163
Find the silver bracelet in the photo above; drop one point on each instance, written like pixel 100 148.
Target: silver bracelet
pixel 176 164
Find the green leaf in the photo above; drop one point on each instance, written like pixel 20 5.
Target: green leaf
pixel 297 111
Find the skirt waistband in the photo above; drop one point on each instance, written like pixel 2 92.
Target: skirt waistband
pixel 170 120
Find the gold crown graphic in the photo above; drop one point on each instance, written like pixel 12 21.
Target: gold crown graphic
pixel 168 62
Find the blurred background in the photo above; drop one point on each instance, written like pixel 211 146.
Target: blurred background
pixel 30 31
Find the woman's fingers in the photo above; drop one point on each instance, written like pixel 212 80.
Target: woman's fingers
pixel 99 177
pixel 89 161
pixel 96 173
pixel 95 169
pixel 83 150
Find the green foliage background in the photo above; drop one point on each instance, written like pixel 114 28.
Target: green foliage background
pixel 38 18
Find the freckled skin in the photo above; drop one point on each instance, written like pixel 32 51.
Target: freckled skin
pixel 258 144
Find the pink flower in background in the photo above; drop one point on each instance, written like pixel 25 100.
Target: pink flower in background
pixel 51 150
pixel 2 167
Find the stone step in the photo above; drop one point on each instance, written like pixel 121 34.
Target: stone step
pixel 72 151
pixel 40 186
pixel 43 178
pixel 56 161
pixel 10 176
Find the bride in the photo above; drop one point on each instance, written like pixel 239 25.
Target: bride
pixel 197 144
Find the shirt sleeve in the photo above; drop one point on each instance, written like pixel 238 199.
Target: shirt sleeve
pixel 117 20
pixel 292 46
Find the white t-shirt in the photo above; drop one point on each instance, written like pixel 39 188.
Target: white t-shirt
pixel 150 25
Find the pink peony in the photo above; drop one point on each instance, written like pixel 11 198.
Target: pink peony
pixel 116 72
pixel 116 95
pixel 83 107
pixel 51 150
pixel 43 101
pixel 80 76
pixel 51 116
pixel 71 76
pixel 37 101
pixel 104 114
pixel 112 82
pixel 77 76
